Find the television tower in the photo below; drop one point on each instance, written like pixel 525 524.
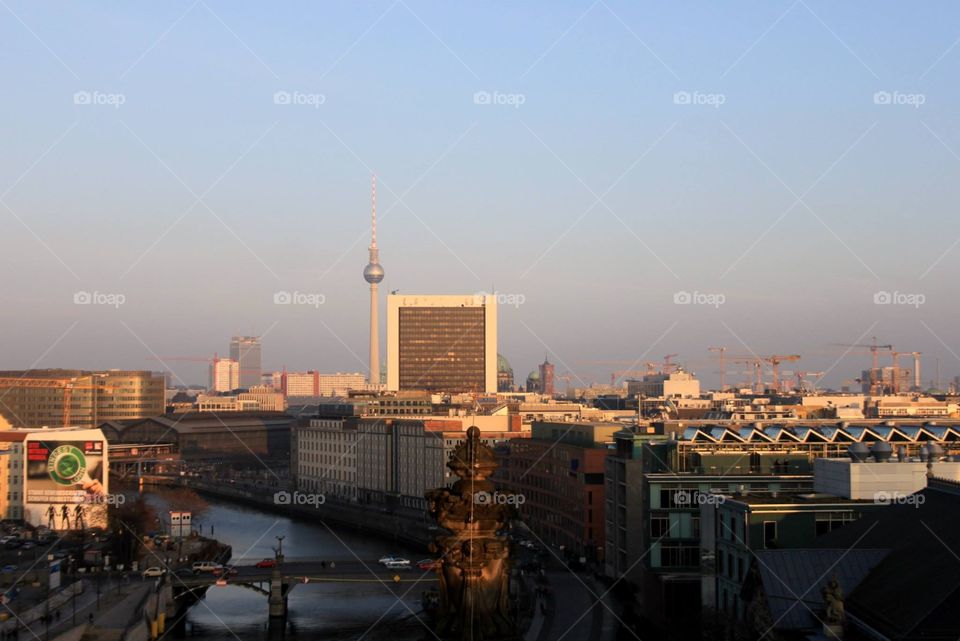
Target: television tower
pixel 373 274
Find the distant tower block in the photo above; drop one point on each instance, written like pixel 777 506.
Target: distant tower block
pixel 373 274
pixel 546 377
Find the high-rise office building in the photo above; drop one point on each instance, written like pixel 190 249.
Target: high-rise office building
pixel 442 343
pixel 246 351
pixel 78 398
pixel 224 375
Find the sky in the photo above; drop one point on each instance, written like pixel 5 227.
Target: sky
pixel 633 179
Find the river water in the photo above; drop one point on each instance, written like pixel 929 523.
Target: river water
pixel 332 612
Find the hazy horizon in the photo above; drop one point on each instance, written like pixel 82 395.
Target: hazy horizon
pixel 787 164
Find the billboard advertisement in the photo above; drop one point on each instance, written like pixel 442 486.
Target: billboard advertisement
pixel 65 480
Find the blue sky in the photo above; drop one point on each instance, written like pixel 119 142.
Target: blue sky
pixel 787 186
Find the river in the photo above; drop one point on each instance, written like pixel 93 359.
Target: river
pixel 330 612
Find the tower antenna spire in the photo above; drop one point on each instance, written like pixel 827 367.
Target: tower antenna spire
pixel 373 211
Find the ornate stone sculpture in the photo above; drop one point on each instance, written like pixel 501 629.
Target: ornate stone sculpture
pixel 474 564
pixel 833 600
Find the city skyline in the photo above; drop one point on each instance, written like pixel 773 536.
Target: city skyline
pixel 654 339
pixel 718 159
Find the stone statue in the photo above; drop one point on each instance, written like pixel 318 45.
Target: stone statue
pixel 474 565
pixel 833 600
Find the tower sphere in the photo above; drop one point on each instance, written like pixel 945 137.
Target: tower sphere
pixel 373 273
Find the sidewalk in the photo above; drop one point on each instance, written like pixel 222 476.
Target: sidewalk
pixel 112 594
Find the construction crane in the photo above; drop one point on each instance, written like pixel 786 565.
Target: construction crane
pixel 566 377
pixel 758 361
pixel 755 362
pixel 667 365
pixel 775 361
pixel 875 353
pixel 802 378
pixel 721 351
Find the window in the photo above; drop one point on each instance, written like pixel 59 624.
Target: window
pixel 680 556
pixel 829 521
pixel 769 534
pixel 659 526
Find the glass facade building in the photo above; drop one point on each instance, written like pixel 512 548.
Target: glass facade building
pixel 246 351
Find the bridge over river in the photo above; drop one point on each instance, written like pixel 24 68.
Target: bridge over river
pixel 276 582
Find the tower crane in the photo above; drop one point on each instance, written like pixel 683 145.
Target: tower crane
pixel 775 361
pixel 802 378
pixel 566 377
pixel 756 362
pixel 875 353
pixel 669 366
pixel 721 351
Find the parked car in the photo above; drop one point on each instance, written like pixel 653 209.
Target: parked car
pixel 29 545
pixel 153 572
pixel 383 560
pixel 427 564
pixel 267 563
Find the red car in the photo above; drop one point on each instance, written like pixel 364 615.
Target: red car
pixel 427 564
pixel 267 563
